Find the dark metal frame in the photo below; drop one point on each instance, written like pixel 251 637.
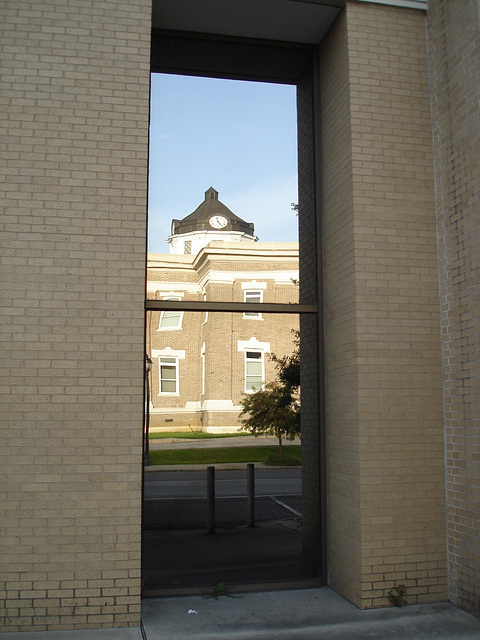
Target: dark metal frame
pixel 284 63
pixel 228 307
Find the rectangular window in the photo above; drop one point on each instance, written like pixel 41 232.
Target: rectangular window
pixel 171 319
pixel 168 368
pixel 253 296
pixel 254 373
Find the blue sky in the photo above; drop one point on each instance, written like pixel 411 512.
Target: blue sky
pixel 239 137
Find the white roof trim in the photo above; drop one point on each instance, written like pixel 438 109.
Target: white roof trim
pixel 279 277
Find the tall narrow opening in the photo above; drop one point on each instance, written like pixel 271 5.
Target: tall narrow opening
pixel 250 299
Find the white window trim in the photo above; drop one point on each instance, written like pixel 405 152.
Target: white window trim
pixel 168 352
pixel 177 376
pixel 262 362
pixel 252 315
pixel 253 345
pixel 178 327
pixel 254 284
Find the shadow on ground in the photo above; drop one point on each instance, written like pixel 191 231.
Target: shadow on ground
pixel 185 560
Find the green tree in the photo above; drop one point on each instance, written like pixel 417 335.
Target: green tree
pixel 275 409
pixel 288 367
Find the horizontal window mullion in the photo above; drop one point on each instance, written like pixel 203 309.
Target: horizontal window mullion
pixel 231 307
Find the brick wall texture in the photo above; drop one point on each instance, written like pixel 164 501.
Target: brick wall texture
pixel 75 93
pixel 385 466
pixel 454 36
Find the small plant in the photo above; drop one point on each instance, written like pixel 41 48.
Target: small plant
pixel 397 595
pixel 219 589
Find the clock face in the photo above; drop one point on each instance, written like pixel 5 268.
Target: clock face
pixel 218 222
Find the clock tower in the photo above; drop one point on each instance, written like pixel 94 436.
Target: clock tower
pixel 211 220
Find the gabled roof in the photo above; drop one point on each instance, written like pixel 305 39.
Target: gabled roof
pixel 211 206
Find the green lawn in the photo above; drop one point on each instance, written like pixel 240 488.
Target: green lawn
pixel 192 435
pixel 268 455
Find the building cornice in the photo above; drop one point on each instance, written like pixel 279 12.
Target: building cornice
pixel 170 260
pixel 229 277
pixel 246 252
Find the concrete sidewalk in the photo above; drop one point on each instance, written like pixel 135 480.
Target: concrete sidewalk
pixel 158 444
pixel 309 614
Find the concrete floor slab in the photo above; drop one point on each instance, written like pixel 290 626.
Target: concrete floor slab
pixel 311 614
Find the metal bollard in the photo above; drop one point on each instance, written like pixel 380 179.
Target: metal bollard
pixel 211 499
pixel 251 494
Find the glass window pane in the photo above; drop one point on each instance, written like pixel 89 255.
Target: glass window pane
pixel 254 369
pixel 253 383
pixel 252 296
pixel 168 386
pixel 170 319
pixel 168 373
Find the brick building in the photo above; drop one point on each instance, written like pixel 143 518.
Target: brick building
pixel 204 362
pixel 388 126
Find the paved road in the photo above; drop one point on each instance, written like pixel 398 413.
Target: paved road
pixel 167 485
pixel 177 499
pixel 191 513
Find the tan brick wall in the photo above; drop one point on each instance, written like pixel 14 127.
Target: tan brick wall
pixel 384 428
pixel 343 465
pixel 453 30
pixel 75 99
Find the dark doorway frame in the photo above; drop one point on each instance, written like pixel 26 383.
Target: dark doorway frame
pixel 284 63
